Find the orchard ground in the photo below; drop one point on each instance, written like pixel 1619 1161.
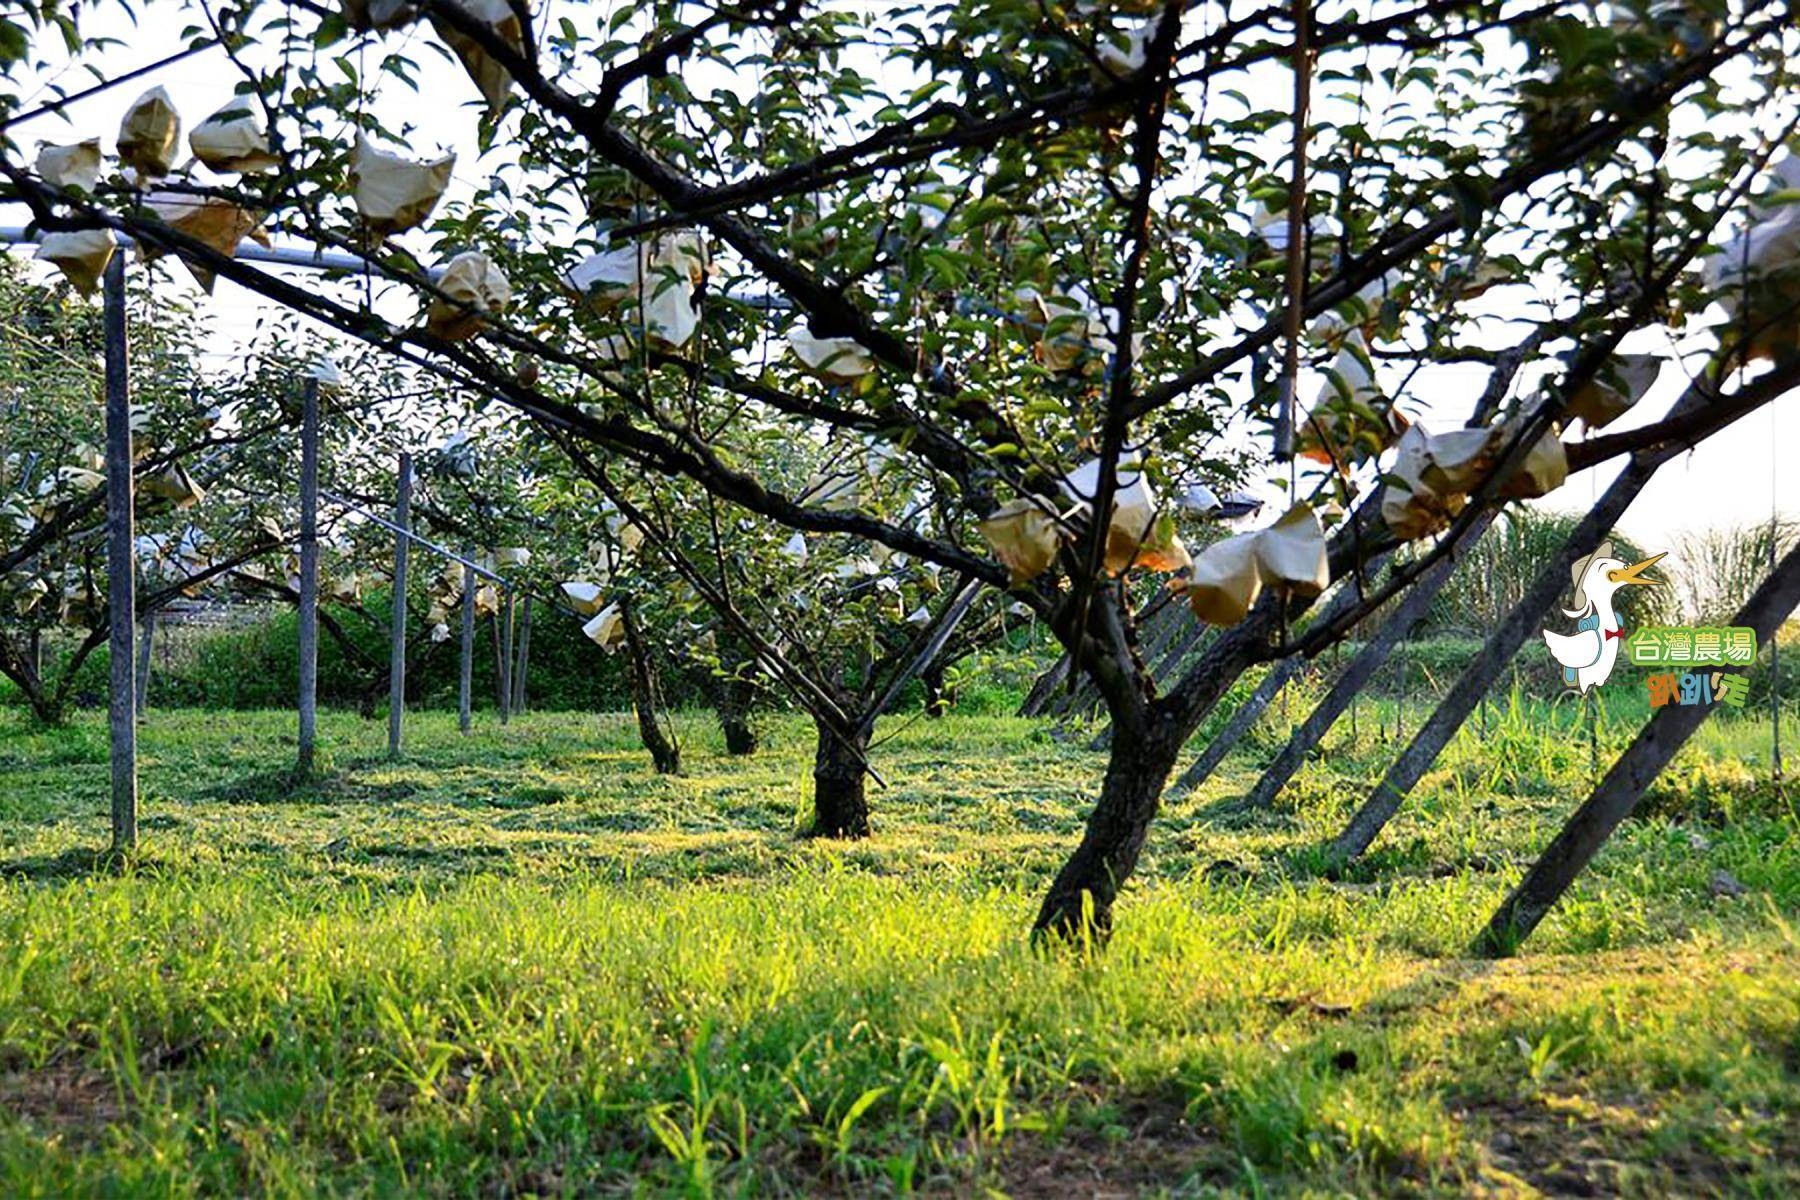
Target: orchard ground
pixel 520 963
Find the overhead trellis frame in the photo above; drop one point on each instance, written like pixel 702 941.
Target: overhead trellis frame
pixel 123 630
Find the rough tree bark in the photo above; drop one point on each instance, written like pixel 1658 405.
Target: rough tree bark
pixel 1147 739
pixel 1593 823
pixel 665 752
pixel 1079 905
pixel 734 695
pixel 840 799
pixel 938 696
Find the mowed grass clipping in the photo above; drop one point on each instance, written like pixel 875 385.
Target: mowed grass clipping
pixel 520 963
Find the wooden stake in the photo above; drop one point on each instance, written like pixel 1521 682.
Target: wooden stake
pixel 506 653
pixel 309 577
pixel 523 658
pixel 145 649
pixel 121 565
pixel 1523 622
pixel 397 633
pixel 466 681
pixel 1246 715
pixel 1362 669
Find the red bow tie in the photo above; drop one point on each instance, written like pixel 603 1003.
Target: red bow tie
pixel 1613 633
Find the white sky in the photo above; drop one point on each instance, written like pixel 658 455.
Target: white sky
pixel 1733 479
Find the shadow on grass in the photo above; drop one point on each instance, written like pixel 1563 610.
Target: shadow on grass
pixel 281 787
pixel 76 863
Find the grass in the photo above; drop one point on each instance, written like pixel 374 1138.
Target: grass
pixel 519 963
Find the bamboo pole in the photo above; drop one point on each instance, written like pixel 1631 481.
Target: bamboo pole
pixel 397 633
pixel 121 565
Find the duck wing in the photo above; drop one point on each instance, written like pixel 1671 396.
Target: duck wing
pixel 1575 650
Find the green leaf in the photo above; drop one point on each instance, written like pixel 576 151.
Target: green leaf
pixel 1472 200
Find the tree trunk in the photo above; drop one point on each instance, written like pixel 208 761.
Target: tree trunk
pixel 24 670
pixel 665 753
pixel 1612 801
pixel 731 700
pixel 840 803
pixel 938 698
pixel 1145 746
pixel 1079 905
pixel 734 719
pixel 734 695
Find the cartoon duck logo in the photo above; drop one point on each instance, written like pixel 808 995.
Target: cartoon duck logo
pixel 1587 655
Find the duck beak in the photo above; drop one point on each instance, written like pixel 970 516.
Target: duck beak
pixel 1634 573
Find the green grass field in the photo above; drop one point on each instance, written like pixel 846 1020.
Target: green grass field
pixel 522 964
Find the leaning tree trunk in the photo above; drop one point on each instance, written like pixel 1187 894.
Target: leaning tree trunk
pixel 840 776
pixel 665 753
pixel 1612 801
pixel 1146 742
pixel 1079 905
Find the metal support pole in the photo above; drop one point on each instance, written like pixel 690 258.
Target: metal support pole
pixel 397 650
pixel 466 683
pixel 523 658
pixel 121 565
pixel 309 577
pixel 506 653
